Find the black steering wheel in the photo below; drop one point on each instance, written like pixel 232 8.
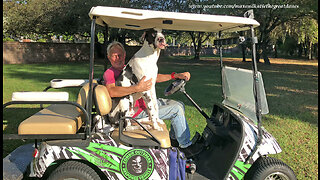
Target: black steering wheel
pixel 175 86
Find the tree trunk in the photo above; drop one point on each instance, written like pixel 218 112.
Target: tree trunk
pixel 300 48
pixel 310 51
pixel 316 51
pixel 196 52
pixel 243 47
pixel 265 57
pixel 275 51
pixel 258 53
pixel 197 49
pixel 305 50
pixel 265 53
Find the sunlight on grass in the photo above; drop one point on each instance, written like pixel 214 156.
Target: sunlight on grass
pixel 314 108
pixel 4 124
pixel 272 95
pixel 288 89
pixel 294 61
pixel 213 85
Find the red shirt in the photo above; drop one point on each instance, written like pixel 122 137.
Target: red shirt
pixel 110 76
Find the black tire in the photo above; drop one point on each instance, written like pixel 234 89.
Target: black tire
pixel 74 170
pixel 268 168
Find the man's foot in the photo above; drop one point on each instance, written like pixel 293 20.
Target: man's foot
pixel 192 150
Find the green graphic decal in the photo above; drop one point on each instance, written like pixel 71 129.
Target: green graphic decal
pixel 137 164
pixel 99 157
pixel 240 169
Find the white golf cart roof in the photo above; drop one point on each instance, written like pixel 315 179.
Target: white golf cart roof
pixel 138 19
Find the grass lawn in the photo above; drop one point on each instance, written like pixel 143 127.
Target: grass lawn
pixel 291 87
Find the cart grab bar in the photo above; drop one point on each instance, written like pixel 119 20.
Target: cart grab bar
pixel 40 96
pixel 61 83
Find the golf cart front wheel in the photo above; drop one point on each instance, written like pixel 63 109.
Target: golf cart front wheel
pixel 268 168
pixel 74 170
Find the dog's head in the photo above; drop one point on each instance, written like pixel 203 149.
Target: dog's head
pixel 154 37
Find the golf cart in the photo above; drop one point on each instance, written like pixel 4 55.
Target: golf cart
pixel 78 141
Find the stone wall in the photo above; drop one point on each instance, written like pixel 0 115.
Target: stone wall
pixel 24 52
pixel 21 53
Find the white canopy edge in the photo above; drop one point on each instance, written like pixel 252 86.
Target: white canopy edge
pixel 139 19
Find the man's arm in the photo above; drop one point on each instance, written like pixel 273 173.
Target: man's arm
pixel 167 77
pixel 119 91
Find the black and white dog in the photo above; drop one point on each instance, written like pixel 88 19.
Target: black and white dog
pixel 143 63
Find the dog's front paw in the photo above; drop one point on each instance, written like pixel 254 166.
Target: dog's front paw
pixel 137 127
pixel 160 121
pixel 132 128
pixel 157 127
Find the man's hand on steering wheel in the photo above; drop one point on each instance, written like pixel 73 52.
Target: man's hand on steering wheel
pixel 185 75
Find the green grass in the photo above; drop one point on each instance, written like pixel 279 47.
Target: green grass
pixel 291 87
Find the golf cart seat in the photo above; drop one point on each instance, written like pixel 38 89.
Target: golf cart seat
pixel 136 137
pixel 56 118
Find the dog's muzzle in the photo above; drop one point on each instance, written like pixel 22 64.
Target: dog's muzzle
pixel 162 42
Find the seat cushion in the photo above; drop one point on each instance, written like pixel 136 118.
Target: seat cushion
pixel 55 119
pixel 102 100
pixel 162 136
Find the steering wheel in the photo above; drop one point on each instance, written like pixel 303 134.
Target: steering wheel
pixel 175 86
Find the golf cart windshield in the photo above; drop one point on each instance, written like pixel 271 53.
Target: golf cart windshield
pixel 237 85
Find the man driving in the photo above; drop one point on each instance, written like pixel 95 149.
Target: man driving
pixel 168 109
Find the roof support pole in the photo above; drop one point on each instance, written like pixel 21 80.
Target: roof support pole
pixel 90 93
pixel 256 93
pixel 105 45
pixel 221 64
pixel 220 49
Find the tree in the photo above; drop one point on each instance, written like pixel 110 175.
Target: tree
pixel 270 16
pixel 58 17
pixel 301 34
pixel 52 16
pixel 198 38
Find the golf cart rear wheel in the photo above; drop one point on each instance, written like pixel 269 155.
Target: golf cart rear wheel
pixel 74 170
pixel 268 168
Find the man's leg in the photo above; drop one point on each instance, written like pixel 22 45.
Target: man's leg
pixel 174 111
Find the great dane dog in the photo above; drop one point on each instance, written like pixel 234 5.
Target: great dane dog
pixel 143 63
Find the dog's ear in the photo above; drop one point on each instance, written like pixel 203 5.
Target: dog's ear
pixel 149 35
pixel 143 37
pixel 158 30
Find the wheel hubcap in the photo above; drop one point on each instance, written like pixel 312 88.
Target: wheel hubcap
pixel 277 176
